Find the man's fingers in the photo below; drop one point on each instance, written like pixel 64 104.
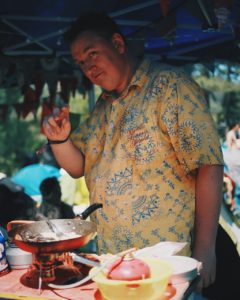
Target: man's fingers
pixel 46 127
pixel 56 111
pixel 51 120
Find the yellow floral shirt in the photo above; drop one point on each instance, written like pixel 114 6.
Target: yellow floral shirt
pixel 141 151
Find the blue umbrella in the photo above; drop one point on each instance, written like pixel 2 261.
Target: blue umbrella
pixel 30 177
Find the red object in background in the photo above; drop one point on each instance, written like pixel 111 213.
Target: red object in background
pixel 30 102
pixel 39 83
pixel 47 109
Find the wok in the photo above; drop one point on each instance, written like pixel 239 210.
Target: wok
pixel 39 236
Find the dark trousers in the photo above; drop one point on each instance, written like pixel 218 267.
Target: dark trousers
pixel 227 283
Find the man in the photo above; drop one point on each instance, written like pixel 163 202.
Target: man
pixel 149 151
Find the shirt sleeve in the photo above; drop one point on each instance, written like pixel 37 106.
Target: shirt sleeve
pixel 189 124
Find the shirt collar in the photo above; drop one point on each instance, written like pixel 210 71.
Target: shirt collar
pixel 137 81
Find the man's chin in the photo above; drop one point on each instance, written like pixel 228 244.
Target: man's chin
pixel 107 88
pixel 104 86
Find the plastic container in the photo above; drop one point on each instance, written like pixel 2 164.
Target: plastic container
pixel 18 258
pixel 151 288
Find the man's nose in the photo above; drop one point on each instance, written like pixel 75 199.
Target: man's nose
pixel 89 65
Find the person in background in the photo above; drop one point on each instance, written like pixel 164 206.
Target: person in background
pixel 149 150
pixel 232 137
pixel 52 207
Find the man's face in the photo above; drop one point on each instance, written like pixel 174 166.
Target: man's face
pixel 102 61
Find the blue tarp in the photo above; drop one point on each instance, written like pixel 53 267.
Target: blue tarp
pixel 30 177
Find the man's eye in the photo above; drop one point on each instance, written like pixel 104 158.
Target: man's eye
pixel 93 54
pixel 79 63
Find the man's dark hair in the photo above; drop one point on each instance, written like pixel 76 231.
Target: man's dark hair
pixel 100 23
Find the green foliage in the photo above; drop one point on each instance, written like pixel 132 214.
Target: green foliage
pixel 18 138
pixel 220 80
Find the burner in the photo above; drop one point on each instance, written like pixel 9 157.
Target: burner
pixel 55 268
pixel 46 264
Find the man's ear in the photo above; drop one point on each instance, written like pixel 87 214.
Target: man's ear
pixel 119 43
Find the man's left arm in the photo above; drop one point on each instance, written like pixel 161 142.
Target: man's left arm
pixel 208 202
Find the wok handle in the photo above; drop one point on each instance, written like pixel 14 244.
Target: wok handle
pixel 17 222
pixel 89 210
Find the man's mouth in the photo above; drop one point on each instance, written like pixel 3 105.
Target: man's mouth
pixel 97 75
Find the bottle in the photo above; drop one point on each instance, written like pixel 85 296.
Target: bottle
pixel 4 268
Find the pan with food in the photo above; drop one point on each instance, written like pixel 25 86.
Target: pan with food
pixel 52 236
